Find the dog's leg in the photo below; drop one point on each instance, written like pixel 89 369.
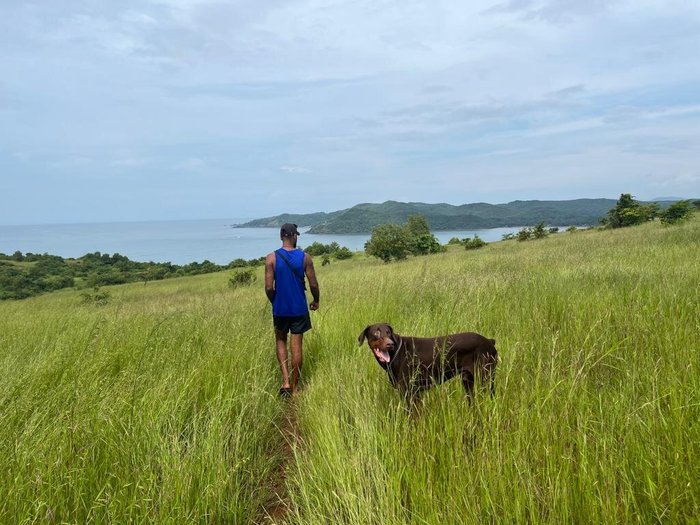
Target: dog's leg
pixel 468 382
pixel 487 367
pixel 490 373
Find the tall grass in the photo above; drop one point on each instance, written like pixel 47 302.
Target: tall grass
pixel 598 389
pixel 156 408
pixel 159 406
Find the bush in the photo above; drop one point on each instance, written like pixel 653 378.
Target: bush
pixel 524 234
pixel 342 253
pixel 388 241
pixel 539 231
pixel 424 244
pixel 316 248
pixel 237 263
pixel 677 212
pixel 242 278
pixel 333 249
pixel 96 297
pixel 475 243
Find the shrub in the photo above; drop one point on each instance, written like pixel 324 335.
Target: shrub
pixel 539 231
pixel 316 248
pixel 475 243
pixel 424 244
pixel 242 278
pixel 342 253
pixel 388 241
pixel 97 297
pixel 524 234
pixel 237 263
pixel 677 212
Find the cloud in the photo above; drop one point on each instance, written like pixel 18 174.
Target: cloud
pixel 294 169
pixel 552 11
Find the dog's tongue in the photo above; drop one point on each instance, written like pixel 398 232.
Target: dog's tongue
pixel 382 355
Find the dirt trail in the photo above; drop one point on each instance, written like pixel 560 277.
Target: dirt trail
pixel 276 509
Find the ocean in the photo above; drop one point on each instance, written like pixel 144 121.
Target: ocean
pixel 179 242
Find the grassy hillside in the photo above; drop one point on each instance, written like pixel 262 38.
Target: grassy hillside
pixel 159 406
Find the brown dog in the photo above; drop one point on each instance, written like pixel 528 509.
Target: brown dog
pixel 415 364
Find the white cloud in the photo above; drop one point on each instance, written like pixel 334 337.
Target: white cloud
pixel 294 169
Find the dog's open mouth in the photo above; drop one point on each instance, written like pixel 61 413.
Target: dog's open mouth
pixel 381 355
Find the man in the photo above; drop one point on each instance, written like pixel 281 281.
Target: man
pixel 284 286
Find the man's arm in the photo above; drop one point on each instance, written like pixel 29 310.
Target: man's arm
pixel 313 282
pixel 270 276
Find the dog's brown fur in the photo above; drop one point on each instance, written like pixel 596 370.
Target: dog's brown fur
pixel 415 364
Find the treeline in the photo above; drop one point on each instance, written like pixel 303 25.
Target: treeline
pixel 25 275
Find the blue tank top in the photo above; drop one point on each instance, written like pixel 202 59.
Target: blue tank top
pixel 290 299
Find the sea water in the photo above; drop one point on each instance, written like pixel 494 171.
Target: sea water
pixel 180 242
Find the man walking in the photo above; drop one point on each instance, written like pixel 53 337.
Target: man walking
pixel 284 285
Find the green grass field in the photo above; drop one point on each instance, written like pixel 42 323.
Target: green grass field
pixel 160 406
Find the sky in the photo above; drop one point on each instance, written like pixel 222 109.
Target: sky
pixel 199 109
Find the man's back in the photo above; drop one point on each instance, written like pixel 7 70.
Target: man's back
pixel 289 299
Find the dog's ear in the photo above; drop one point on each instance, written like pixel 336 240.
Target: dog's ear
pixel 361 337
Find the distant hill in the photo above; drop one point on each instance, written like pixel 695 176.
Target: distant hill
pixel 363 217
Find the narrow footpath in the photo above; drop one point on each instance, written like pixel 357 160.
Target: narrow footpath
pixel 277 508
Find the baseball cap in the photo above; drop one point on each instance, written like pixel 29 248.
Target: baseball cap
pixel 287 230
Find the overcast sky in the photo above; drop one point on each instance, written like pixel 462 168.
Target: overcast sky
pixel 167 109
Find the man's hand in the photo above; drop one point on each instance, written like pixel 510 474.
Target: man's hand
pixel 313 305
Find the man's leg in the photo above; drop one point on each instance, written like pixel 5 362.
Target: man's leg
pixel 297 359
pixel 281 342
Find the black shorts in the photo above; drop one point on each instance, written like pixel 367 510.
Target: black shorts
pixel 296 325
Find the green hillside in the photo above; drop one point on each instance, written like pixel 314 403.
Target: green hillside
pixel 159 404
pixel 363 217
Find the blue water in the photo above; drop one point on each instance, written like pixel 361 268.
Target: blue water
pixel 179 242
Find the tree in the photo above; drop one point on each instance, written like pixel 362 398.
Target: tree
pixel 388 241
pixel 420 240
pixel 629 212
pixel 417 225
pixel 677 212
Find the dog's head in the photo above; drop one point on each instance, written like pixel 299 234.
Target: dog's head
pixel 381 340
